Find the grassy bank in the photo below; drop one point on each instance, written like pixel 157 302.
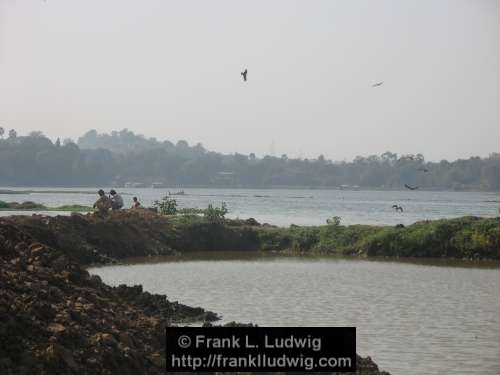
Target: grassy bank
pixel 466 237
pixel 32 206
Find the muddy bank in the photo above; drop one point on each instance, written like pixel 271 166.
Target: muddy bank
pixel 89 239
pixel 55 318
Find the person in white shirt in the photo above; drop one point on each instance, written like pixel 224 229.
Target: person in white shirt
pixel 116 200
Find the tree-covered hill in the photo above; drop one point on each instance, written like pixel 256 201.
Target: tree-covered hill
pixel 122 156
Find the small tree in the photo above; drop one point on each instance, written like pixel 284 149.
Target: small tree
pixel 216 214
pixel 2 131
pixel 167 206
pixel 12 134
pixel 335 221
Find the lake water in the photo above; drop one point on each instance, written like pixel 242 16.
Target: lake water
pixel 302 207
pixel 411 318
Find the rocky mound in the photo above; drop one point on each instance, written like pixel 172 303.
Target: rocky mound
pixel 55 318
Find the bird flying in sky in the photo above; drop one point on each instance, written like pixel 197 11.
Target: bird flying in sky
pixel 244 74
pixel 378 84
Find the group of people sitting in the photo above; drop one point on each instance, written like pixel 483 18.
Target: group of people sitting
pixel 114 201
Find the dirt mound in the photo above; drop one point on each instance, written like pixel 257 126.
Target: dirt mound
pixel 91 239
pixel 55 318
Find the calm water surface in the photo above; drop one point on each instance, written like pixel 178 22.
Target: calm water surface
pixel 298 206
pixel 411 318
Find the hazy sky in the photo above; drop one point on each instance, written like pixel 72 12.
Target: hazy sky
pixel 171 70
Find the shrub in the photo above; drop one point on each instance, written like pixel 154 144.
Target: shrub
pixel 334 221
pixel 215 214
pixel 304 239
pixel 167 206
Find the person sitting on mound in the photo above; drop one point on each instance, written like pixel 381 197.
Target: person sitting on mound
pixel 136 203
pixel 116 200
pixel 103 204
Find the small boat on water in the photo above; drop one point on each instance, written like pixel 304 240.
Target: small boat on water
pixel 157 185
pixel 181 192
pixel 134 185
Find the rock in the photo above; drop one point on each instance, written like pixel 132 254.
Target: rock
pixel 105 339
pixel 37 251
pixel 56 328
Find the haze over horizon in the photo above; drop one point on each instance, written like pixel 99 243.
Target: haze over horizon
pixel 171 70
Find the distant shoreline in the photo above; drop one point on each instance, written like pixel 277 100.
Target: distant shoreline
pixel 93 189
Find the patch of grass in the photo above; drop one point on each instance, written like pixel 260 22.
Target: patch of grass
pixel 467 237
pixel 72 208
pixel 190 211
pixel 32 206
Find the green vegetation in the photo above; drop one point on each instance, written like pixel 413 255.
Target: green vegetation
pixel 190 211
pixel 32 206
pixel 166 206
pixel 334 221
pixel 73 208
pixel 28 205
pixel 467 237
pixel 215 214
pixel 122 156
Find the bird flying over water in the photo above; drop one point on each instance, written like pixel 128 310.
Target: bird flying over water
pixel 378 84
pixel 397 208
pixel 411 187
pixel 244 74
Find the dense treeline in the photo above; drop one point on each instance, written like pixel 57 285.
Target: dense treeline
pixel 120 157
